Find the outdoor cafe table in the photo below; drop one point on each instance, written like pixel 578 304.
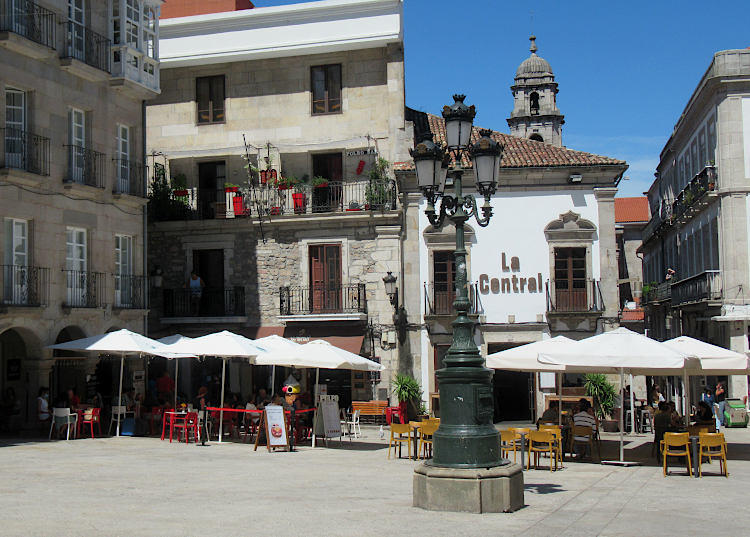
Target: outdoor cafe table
pixel 173 417
pixel 415 427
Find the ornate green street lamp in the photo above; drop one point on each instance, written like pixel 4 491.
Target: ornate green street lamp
pixel 466 437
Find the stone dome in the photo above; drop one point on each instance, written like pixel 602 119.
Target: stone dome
pixel 533 65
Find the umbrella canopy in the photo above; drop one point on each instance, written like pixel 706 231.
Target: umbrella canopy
pixel 279 349
pixel 709 359
pixel 617 351
pixel 322 355
pixel 525 357
pixel 171 340
pixel 120 342
pixel 222 344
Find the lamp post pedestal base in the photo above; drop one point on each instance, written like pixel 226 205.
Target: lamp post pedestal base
pixel 484 490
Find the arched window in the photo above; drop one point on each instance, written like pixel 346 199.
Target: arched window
pixel 536 137
pixel 534 103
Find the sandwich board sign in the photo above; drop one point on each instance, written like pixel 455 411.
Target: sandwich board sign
pixel 272 431
pixel 327 421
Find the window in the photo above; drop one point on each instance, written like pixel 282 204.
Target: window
pixel 209 94
pixel 443 274
pixel 77 136
pixel 15 127
pixel 325 278
pixel 15 275
pixel 123 270
pixel 711 148
pixel 534 103
pixel 536 137
pixel 76 264
pixel 326 89
pixel 123 158
pixel 77 29
pixel 570 279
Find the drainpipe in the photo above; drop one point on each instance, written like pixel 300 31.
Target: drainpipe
pixel 147 286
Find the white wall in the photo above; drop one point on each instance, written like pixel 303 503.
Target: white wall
pixel 746 133
pixel 517 228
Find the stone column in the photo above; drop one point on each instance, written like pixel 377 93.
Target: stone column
pixel 738 343
pixel 387 257
pixel 410 353
pixel 608 270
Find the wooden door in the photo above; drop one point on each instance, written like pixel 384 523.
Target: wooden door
pixel 443 275
pixel 570 279
pixel 325 278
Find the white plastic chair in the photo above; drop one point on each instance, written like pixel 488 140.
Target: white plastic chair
pixel 63 416
pixel 352 425
pixel 646 421
pixel 117 410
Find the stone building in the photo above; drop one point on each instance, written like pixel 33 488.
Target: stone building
pixel 695 246
pixel 546 264
pixel 72 197
pixel 270 127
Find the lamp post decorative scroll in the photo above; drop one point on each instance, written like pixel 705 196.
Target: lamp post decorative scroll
pixel 466 437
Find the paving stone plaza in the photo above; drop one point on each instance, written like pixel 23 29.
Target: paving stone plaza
pixel 143 486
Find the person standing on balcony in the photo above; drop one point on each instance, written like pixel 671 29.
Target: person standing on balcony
pixel 196 285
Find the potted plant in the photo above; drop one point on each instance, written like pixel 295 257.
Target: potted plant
pixel 231 187
pixel 603 392
pixel 377 191
pixel 299 198
pixel 409 394
pixel 284 183
pixel 179 184
pixel 319 182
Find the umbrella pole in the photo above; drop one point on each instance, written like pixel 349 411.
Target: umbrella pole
pixel 273 380
pixel 221 405
pixel 316 391
pixel 176 373
pixel 622 413
pixel 559 399
pixel 686 396
pixel 632 406
pixel 119 397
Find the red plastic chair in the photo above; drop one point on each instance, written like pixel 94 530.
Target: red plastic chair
pixel 90 416
pixel 188 424
pixel 157 415
pixel 392 411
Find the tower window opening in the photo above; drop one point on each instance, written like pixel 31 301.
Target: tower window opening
pixel 536 137
pixel 534 103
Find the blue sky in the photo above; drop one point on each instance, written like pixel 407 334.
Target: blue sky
pixel 625 69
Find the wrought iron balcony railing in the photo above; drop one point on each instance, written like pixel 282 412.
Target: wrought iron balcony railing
pixel 661 292
pixel 578 296
pixel 23 150
pixel 24 285
pixel 85 166
pixel 128 177
pixel 29 20
pixel 130 292
pixel 84 289
pixel 703 287
pixel 705 181
pixel 210 302
pixel 86 45
pixel 439 297
pixel 323 299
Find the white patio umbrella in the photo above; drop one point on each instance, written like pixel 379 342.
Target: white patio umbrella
pixel 525 358
pixel 619 351
pixel 223 345
pixel 279 347
pixel 171 340
pixel 321 355
pixel 120 342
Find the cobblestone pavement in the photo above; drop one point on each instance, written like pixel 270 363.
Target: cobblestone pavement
pixel 143 486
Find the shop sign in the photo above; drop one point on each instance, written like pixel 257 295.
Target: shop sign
pixel 513 282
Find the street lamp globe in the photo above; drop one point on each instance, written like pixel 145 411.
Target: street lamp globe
pixel 486 155
pixel 390 285
pixel 431 165
pixel 458 121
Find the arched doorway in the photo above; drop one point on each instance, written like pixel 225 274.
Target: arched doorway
pixel 69 370
pixel 13 387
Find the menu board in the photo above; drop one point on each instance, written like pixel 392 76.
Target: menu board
pixel 275 426
pixel 331 417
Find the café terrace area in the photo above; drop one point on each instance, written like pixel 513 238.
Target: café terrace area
pixel 144 486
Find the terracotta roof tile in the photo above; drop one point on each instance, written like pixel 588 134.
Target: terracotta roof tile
pixel 521 152
pixel 631 210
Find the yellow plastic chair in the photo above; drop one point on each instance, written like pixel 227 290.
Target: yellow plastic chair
pixel 556 431
pixel 542 442
pixel 508 443
pixel 676 445
pixel 584 431
pixel 398 430
pixel 425 438
pixel 712 445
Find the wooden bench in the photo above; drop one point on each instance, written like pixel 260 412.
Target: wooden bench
pixel 373 411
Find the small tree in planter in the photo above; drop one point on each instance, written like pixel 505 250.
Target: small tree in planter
pixel 409 395
pixel 603 393
pixel 285 183
pixel 377 192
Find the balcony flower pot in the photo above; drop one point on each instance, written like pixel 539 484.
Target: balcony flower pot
pixel 283 187
pixel 299 202
pixel 231 189
pixel 263 177
pixel 238 205
pixel 275 211
pixel 180 193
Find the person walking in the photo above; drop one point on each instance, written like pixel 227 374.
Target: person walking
pixel 721 400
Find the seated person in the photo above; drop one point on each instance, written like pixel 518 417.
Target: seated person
pixel 584 418
pixel 675 419
pixel 705 413
pixel 663 417
pixel 73 400
pixel 128 399
pixel 551 415
pixel 262 399
pixel 201 400
pixel 42 405
pixel 254 417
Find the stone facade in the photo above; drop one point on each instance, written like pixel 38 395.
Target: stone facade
pixel 699 218
pixel 48 187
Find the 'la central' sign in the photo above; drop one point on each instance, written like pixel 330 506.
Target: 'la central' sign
pixel 513 283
